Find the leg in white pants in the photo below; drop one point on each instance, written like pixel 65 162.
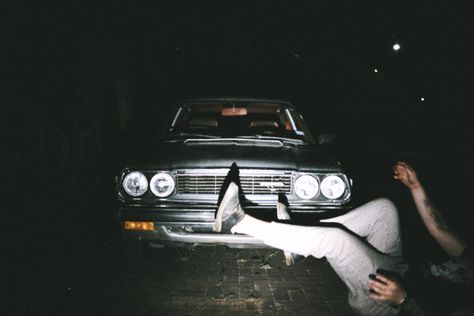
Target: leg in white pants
pixel 377 222
pixel 352 258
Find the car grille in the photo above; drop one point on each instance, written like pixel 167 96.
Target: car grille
pixel 211 184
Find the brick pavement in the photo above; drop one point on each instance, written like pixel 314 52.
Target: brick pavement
pixel 216 281
pixel 210 280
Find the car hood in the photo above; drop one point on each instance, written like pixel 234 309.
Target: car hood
pixel 268 154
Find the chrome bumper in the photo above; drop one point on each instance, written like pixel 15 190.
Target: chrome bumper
pixel 163 235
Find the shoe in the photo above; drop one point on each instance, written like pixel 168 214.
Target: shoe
pixel 282 212
pixel 229 212
pixel 290 257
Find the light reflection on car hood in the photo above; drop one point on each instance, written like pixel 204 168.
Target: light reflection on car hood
pixel 212 154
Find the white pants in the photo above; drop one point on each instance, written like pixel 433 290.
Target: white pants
pixel 372 243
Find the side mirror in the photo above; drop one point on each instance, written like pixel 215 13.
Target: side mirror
pixel 327 139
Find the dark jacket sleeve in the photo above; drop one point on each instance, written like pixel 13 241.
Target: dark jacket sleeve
pixel 410 307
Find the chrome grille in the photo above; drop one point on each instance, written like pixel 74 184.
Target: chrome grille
pixel 211 184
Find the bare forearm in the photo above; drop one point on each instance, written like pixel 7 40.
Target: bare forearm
pixel 433 220
pixel 429 214
pixel 435 223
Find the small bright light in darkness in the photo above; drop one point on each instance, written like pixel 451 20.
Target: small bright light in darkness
pixel 376 70
pixel 396 47
pixel 422 99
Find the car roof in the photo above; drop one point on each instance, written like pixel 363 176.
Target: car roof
pixel 236 99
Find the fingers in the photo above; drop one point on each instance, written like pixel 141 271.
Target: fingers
pixel 379 285
pixel 384 279
pixel 400 167
pixel 405 174
pixel 403 166
pixel 385 288
pixel 399 172
pixel 377 297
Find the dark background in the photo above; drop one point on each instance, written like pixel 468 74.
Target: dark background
pixel 85 86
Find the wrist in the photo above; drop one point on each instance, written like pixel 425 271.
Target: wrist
pixel 417 187
pixel 403 300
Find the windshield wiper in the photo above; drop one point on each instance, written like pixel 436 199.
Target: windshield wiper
pixel 236 141
pixel 195 135
pixel 280 138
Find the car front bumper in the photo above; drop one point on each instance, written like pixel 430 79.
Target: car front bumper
pixel 164 235
pixel 193 225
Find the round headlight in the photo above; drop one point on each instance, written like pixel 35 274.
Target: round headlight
pixel 306 187
pixel 162 184
pixel 135 183
pixel 333 187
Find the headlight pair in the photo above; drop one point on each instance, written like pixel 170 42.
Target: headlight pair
pixel 331 187
pixel 136 184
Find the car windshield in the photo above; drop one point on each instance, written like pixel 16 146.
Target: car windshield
pixel 240 119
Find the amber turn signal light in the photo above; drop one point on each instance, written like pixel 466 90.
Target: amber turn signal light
pixel 139 225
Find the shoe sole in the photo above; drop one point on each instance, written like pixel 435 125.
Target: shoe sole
pixel 288 258
pixel 225 200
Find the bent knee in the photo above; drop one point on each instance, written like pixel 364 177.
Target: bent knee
pixel 385 204
pixel 380 208
pixel 378 205
pixel 386 210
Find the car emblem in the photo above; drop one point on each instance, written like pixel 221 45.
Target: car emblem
pixel 273 186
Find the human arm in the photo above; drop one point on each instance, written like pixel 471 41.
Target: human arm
pixel 388 289
pixel 451 243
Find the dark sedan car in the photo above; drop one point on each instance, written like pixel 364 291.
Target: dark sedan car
pixel 262 145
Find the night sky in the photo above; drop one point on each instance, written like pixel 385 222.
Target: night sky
pixel 118 69
pixel 314 52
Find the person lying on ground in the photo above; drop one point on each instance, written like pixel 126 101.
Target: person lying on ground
pixel 363 247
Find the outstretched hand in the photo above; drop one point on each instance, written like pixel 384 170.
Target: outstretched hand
pixel 406 175
pixel 386 289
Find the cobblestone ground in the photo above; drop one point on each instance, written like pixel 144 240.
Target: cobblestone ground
pixel 218 281
pixel 212 280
